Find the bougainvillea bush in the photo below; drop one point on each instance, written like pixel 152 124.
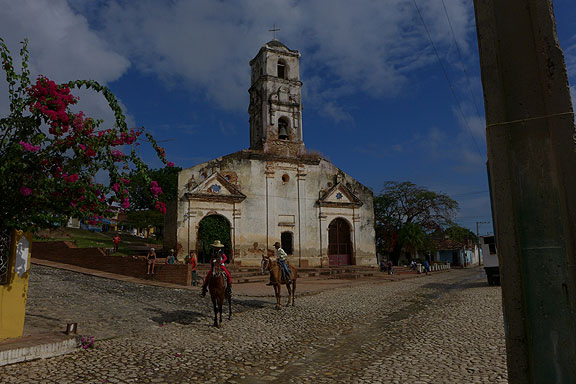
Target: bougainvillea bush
pixel 56 164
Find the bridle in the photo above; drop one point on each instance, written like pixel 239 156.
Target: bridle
pixel 216 263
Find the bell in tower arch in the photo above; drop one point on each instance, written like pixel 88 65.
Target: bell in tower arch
pixel 283 129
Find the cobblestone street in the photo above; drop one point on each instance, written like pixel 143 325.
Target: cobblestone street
pixel 443 328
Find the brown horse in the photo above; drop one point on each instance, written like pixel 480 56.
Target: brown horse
pixel 217 288
pixel 276 279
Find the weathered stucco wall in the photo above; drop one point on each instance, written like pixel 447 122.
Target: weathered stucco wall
pixel 280 196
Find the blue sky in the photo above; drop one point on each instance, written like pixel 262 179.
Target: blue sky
pixel 376 101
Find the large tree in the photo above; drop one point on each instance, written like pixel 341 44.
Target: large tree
pixel 405 215
pixel 461 235
pixel 56 164
pixel 142 213
pixel 139 187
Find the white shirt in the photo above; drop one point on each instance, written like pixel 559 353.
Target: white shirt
pixel 280 254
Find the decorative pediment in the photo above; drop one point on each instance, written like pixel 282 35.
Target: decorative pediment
pixel 340 196
pixel 216 188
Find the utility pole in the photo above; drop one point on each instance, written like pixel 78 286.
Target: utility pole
pixel 478 239
pixel 531 140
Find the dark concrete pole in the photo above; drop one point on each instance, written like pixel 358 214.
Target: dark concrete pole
pixel 532 161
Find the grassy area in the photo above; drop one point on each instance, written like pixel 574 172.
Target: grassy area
pixel 83 238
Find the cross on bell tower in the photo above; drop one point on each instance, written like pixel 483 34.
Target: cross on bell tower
pixel 274 30
pixel 275 100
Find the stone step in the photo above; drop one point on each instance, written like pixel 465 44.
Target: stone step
pixel 34 347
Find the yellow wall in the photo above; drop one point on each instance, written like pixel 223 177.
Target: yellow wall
pixel 13 295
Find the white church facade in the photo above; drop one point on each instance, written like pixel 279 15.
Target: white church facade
pixel 275 191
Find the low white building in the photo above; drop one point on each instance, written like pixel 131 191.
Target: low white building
pixel 275 191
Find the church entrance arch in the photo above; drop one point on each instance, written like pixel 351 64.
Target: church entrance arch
pixel 210 228
pixel 339 244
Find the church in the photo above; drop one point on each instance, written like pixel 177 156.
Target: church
pixel 275 190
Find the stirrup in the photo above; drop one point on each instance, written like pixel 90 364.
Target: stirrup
pixel 204 291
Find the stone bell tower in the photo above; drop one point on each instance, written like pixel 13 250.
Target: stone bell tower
pixel 275 101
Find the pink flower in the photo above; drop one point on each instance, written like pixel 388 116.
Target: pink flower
pixel 155 189
pixel 25 191
pixel 29 147
pixel 72 178
pixel 160 207
pixel 170 164
pixel 125 203
pixel 117 155
pixel 116 187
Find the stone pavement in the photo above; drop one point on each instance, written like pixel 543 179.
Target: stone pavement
pixel 305 286
pixel 443 328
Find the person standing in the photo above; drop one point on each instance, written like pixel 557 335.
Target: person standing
pixel 390 267
pixel 116 240
pixel 426 266
pixel 193 261
pixel 151 261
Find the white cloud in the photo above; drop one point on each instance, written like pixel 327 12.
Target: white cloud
pixel 62 46
pixel 367 46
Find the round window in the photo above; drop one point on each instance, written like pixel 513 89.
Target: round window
pixel 285 178
pixel 339 196
pixel 215 188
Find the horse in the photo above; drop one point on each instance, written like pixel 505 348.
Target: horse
pixel 276 279
pixel 217 288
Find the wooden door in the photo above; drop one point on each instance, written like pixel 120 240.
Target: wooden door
pixel 339 244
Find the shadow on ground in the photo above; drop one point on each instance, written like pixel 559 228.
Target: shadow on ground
pixel 250 304
pixel 180 317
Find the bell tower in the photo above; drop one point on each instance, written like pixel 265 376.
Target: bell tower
pixel 275 101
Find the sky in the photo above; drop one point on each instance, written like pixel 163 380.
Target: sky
pixel 391 88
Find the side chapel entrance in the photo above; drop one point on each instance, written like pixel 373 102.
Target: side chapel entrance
pixel 339 244
pixel 210 228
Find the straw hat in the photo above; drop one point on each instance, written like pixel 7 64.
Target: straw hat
pixel 217 244
pixel 172 251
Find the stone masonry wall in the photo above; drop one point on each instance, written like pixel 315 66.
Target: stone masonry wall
pixel 93 258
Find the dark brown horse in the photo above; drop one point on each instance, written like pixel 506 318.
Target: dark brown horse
pixel 276 279
pixel 217 288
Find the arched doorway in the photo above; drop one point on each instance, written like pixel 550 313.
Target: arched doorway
pixel 210 228
pixel 339 244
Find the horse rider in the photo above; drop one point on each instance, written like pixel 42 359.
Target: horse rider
pixel 217 252
pixel 281 256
